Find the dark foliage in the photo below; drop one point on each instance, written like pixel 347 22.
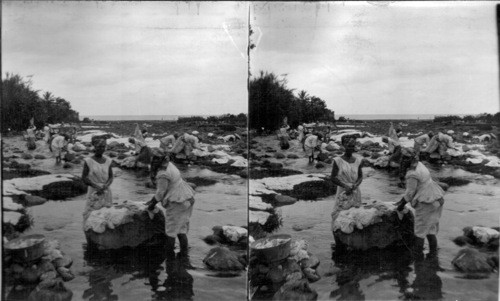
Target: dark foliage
pixel 20 103
pixel 270 101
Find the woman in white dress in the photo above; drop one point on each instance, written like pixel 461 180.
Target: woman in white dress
pixel 177 197
pixel 426 197
pixel 98 175
pixel 347 174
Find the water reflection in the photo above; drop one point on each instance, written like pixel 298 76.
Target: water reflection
pixel 390 263
pixel 427 284
pixel 139 263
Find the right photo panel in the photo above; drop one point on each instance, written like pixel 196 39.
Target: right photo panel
pixel 373 151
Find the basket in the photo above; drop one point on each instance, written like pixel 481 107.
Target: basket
pixel 275 253
pixel 26 254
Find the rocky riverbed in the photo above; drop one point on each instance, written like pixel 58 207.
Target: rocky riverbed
pixel 121 274
pixel 386 274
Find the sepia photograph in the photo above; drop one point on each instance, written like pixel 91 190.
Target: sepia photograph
pixel 374 154
pixel 250 150
pixel 124 140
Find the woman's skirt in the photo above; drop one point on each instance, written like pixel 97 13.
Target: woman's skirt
pixel 177 217
pixel 427 217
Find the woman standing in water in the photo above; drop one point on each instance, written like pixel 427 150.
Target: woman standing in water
pixel 177 197
pixel 347 175
pixel 98 175
pixel 426 196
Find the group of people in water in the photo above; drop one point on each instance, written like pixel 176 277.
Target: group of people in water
pixel 424 194
pixel 177 196
pixel 54 138
pixel 174 194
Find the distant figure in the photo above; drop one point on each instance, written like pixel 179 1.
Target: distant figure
pixel 185 144
pixel 426 196
pixel 177 197
pixel 168 142
pixel 144 133
pixel 58 144
pixel 98 175
pixel 283 136
pixel 440 144
pixel 422 140
pixel 311 144
pixel 300 137
pixel 31 144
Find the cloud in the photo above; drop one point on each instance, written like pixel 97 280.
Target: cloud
pixel 129 57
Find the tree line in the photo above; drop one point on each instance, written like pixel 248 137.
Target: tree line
pixel 240 119
pixel 20 103
pixel 480 118
pixel 270 101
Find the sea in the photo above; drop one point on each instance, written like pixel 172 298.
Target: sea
pixel 349 116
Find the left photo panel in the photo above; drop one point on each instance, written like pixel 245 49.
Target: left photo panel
pixel 124 150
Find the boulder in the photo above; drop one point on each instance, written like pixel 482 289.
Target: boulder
pixel 64 189
pixel 32 200
pixel 311 262
pixel 69 157
pixel 113 144
pixel 320 165
pixel 279 155
pixel 383 230
pixel 311 274
pixel 51 290
pixel 322 157
pixel 223 259
pixel 296 290
pixel 273 165
pixel 301 227
pixel 292 156
pixel 64 261
pixel 470 260
pixel 312 190
pixel 65 273
pixel 27 156
pixel 234 233
pixel 125 225
pixel 40 157
pixel 283 200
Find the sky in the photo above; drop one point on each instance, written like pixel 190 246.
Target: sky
pixel 383 58
pixel 131 58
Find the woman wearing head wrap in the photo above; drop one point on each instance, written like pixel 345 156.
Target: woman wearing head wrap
pixel 31 137
pixel 177 197
pixel 347 175
pixel 422 140
pixel 98 175
pixel 311 144
pixel 426 196
pixel 58 144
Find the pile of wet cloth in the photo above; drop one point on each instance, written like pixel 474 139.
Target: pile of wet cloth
pixel 129 224
pixel 111 217
pixel 359 218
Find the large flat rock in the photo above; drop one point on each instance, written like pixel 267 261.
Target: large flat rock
pixel 123 226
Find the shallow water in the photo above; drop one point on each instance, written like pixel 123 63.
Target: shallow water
pixel 386 275
pixel 131 276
